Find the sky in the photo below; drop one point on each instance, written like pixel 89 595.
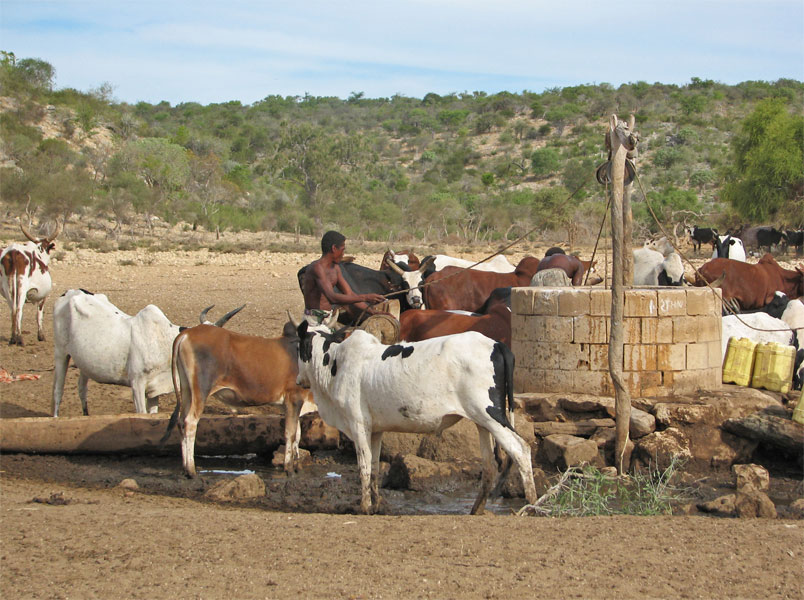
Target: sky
pixel 218 51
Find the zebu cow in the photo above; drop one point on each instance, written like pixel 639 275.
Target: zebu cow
pixel 239 370
pixel 25 274
pixel 109 346
pixel 701 235
pixel 753 286
pixel 405 260
pixel 432 264
pixel 652 268
pixel 454 288
pixel 364 280
pixel 418 325
pixel 729 247
pixel 364 388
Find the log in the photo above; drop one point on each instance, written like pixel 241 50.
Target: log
pixel 779 432
pixel 579 428
pixel 140 434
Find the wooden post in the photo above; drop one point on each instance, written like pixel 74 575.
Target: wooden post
pixel 628 221
pixel 621 141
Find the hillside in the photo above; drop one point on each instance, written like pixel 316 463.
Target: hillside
pixel 461 169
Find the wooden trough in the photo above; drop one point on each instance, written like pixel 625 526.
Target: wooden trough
pixel 140 434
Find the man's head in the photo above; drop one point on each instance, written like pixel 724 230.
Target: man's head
pixel 330 239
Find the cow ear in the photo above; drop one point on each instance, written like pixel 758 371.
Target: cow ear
pixel 302 328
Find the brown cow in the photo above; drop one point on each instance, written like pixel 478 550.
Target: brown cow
pixel 417 325
pixel 240 370
pixel 753 286
pixel 454 288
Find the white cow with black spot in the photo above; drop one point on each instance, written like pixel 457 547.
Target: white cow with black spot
pixel 365 388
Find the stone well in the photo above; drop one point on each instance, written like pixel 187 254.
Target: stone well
pixel 560 339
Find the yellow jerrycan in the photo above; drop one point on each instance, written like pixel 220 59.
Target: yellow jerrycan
pixel 739 362
pixel 773 367
pixel 798 411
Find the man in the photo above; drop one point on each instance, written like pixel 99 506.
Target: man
pixel 571 265
pixel 323 276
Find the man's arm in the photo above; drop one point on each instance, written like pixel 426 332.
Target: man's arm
pixel 577 278
pixel 346 296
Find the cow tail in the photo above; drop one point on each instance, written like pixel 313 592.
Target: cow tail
pixel 174 418
pixel 510 360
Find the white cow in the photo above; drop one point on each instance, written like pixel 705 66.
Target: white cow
pixel 729 247
pixel 431 264
pixel 364 388
pixel 652 268
pixel 25 275
pixel 109 346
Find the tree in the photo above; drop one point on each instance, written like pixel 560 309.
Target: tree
pixel 545 161
pixel 767 179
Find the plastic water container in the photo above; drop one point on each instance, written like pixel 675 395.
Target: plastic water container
pixel 798 411
pixel 739 362
pixel 773 367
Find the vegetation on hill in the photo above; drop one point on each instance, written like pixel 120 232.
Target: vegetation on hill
pixel 462 167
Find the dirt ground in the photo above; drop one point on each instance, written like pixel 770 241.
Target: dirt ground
pixel 68 531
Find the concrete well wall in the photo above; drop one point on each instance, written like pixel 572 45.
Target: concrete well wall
pixel 560 339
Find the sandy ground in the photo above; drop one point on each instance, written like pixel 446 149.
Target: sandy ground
pixel 68 531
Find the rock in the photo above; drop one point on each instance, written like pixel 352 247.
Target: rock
pixel 411 472
pixel 673 414
pixel 459 442
pixel 278 460
pixel 748 477
pixel 751 504
pixel 539 407
pixel 513 488
pixel 581 403
pixel 128 484
pixel 605 438
pixel 399 443
pixel 239 488
pixel 796 509
pixel 723 506
pixel 658 449
pixel 641 423
pixel 566 451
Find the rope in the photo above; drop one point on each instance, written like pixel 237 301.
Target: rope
pixel 725 304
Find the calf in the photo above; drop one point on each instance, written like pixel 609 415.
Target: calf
pixel 701 235
pixel 240 370
pixel 109 346
pixel 753 286
pixel 25 277
pixel 364 388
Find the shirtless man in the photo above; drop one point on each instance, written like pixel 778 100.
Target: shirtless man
pixel 321 278
pixel 571 265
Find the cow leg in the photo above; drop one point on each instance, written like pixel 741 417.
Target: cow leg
pixel 293 402
pixel 488 472
pixel 518 450
pixel 152 404
pixel 60 363
pixel 138 393
pixel 363 450
pixel 16 328
pixel 376 449
pixel 40 315
pixel 82 392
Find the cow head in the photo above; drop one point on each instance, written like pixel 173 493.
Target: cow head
pixel 307 333
pixel 45 243
pixel 413 279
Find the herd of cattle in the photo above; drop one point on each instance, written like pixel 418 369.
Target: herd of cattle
pixel 453 348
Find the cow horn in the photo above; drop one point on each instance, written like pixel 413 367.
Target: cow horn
pixel 394 267
pixel 332 320
pixel 222 321
pixel 293 321
pixel 203 317
pixel 719 281
pixel 27 233
pixel 427 262
pixel 55 234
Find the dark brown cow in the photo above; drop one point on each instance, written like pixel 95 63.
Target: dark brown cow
pixel 417 325
pixel 240 370
pixel 454 288
pixel 753 286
